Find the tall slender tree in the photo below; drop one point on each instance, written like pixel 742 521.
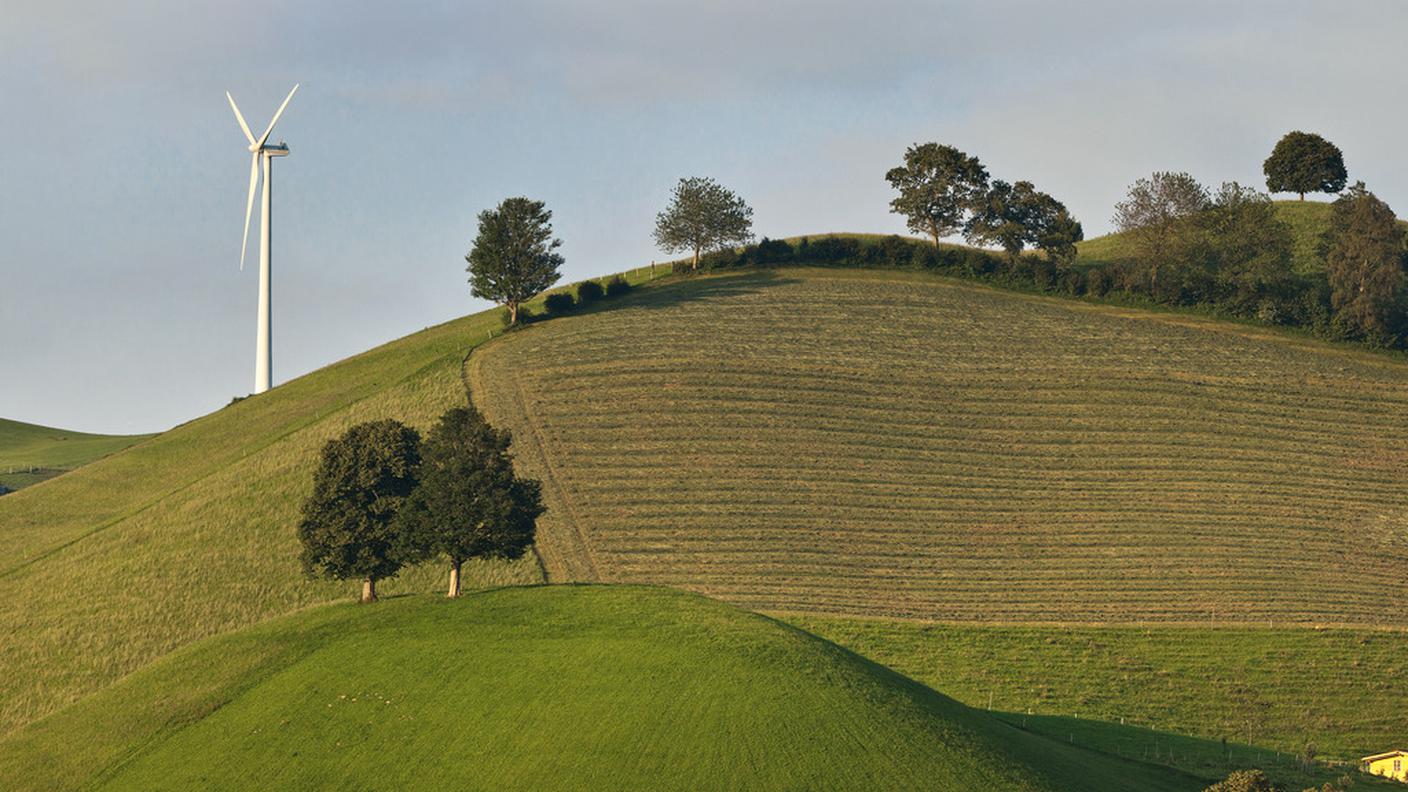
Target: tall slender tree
pixel 703 216
pixel 470 503
pixel 348 530
pixel 1364 261
pixel 515 256
pixel 937 185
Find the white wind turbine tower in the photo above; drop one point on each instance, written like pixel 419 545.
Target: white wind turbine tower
pixel 263 354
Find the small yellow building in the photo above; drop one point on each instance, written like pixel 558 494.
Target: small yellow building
pixel 1393 764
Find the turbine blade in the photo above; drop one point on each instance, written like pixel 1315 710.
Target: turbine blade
pixel 276 115
pixel 249 204
pixel 239 117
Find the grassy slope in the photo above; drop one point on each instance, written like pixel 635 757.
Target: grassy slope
pixel 895 444
pixel 1308 221
pixel 1273 688
pixel 539 688
pixel 30 453
pixel 191 533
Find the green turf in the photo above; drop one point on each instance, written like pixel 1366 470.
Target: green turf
pixel 1268 692
pixel 30 453
pixel 192 533
pixel 897 444
pixel 539 688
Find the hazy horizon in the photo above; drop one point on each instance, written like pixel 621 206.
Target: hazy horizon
pixel 123 308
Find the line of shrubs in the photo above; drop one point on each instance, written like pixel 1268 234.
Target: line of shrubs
pixel 1304 301
pixel 562 303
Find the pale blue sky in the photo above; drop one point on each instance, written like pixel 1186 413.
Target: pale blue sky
pixel 121 305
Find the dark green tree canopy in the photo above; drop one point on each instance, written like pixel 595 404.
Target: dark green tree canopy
pixel 1304 162
pixel 1013 216
pixel 514 256
pixel 1250 247
pixel 703 216
pixel 1364 260
pixel 469 504
pixel 937 187
pixel 347 528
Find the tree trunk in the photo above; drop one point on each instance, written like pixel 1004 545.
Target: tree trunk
pixel 694 266
pixel 454 579
pixel 1302 196
pixel 934 232
pixel 369 589
pixel 513 313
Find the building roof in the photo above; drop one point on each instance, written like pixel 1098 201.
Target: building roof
pixel 1385 755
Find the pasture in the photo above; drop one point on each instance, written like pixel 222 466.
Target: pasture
pixel 540 688
pixel 899 445
pixel 30 453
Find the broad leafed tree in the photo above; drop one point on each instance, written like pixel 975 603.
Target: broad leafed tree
pixel 1364 261
pixel 703 216
pixel 1159 215
pixel 1250 247
pixel 1304 162
pixel 514 257
pixel 1013 216
pixel 938 185
pixel 470 503
pixel 348 528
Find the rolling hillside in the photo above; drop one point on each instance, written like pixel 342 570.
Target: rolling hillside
pixel 540 688
pixel 30 453
pixel 1308 221
pixel 891 444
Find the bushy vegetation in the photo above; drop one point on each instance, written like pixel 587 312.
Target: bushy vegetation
pixel 589 291
pixel 559 303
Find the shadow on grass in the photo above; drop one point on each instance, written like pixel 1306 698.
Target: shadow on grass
pixel 1199 756
pixel 680 289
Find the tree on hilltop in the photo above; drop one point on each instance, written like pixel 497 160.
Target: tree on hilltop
pixel 469 503
pixel 938 185
pixel 1013 216
pixel 1158 216
pixel 703 216
pixel 1304 162
pixel 348 530
pixel 514 257
pixel 1364 260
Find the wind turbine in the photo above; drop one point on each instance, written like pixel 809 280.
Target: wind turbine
pixel 262 153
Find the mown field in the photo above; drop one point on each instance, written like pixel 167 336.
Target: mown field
pixel 1275 689
pixel 540 688
pixel 893 444
pixel 30 453
pixel 192 533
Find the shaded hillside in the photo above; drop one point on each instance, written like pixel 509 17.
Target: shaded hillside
pixel 895 444
pixel 30 453
pixel 540 688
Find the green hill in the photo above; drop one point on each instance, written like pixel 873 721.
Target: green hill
pixel 30 453
pixel 1308 220
pixel 539 688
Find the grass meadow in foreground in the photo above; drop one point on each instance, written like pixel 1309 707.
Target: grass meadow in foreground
pixel 1267 692
pixel 561 687
pixel 896 444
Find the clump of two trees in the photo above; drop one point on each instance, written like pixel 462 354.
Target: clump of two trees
pixel 943 191
pixel 382 499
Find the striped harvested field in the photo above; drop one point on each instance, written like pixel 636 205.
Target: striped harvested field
pixel 896 444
